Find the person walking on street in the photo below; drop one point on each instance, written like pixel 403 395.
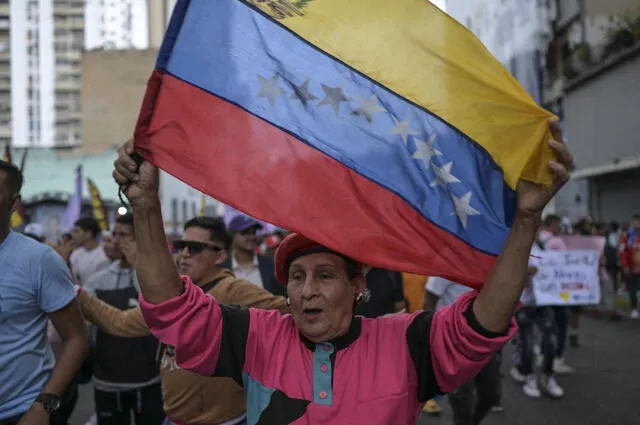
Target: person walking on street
pixel 549 239
pixel 473 400
pixel 89 256
pixel 630 262
pixel 244 261
pixel 529 317
pixel 203 250
pixel 126 378
pixel 35 286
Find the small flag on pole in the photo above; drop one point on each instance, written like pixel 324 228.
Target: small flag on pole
pixel 99 210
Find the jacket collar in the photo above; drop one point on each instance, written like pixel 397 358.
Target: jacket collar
pixel 343 341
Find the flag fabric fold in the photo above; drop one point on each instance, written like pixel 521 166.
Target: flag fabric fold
pixel 383 130
pixel 74 206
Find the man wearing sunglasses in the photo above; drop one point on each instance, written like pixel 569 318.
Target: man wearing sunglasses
pixel 244 260
pixel 202 254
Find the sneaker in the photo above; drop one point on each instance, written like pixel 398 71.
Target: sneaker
pixel 635 314
pixel 432 407
pixel 530 387
pixel 497 409
pixel 551 386
pixel 93 420
pixel 517 376
pixel 561 368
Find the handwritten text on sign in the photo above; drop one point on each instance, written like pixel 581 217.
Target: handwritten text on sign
pixel 566 277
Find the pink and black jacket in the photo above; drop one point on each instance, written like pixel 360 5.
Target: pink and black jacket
pixel 380 372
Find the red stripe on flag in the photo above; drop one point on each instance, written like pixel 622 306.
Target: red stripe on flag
pixel 245 162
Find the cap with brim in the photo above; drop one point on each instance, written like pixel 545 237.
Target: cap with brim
pixel 295 246
pixel 240 223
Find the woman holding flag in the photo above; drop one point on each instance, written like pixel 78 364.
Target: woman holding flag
pixel 322 364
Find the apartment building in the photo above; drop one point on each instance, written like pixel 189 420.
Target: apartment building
pixel 41 42
pixel 116 24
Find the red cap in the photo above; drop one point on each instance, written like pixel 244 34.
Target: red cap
pixel 293 246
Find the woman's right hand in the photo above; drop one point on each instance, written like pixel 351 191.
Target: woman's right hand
pixel 139 182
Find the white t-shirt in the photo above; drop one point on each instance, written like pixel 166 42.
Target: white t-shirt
pixel 447 290
pixel 85 264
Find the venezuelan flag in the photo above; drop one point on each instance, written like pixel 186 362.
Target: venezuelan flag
pixel 382 129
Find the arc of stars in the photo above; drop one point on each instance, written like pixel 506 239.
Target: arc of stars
pixel 302 93
pixel 403 128
pixel 270 88
pixel 368 107
pixel 426 150
pixel 333 96
pixel 443 175
pixel 463 209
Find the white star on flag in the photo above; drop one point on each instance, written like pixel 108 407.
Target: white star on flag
pixel 426 150
pixel 443 175
pixel 368 107
pixel 270 88
pixel 333 96
pixel 403 128
pixel 463 208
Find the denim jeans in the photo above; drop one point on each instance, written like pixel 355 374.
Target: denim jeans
pixel 528 319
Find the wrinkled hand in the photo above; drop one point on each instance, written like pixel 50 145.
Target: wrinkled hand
pixel 533 197
pixel 139 183
pixel 35 416
pixel 130 252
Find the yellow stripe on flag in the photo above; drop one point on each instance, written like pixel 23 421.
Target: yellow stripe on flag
pixel 419 52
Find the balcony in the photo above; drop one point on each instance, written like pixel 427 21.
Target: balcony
pixel 621 37
pixel 67 86
pixel 5 133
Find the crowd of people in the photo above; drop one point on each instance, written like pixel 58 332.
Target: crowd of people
pixel 159 350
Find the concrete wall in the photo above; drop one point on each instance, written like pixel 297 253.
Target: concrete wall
pixel 113 86
pixel 602 116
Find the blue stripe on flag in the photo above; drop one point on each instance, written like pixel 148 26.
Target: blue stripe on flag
pixel 226 48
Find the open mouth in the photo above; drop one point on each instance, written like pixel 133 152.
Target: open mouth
pixel 311 312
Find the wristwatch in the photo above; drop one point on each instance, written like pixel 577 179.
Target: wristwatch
pixel 50 402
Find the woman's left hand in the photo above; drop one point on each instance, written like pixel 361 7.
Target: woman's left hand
pixel 533 197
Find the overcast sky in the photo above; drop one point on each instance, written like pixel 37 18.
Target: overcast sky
pixel 439 3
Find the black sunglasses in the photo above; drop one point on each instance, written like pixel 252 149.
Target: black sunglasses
pixel 195 247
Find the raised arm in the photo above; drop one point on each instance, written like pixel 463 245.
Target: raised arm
pixel 125 323
pixel 207 337
pixel 495 305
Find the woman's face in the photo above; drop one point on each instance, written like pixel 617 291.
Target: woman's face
pixel 322 295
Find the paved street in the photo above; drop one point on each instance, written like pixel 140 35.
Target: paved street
pixel 603 392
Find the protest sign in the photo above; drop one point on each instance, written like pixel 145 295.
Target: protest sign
pixel 566 277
